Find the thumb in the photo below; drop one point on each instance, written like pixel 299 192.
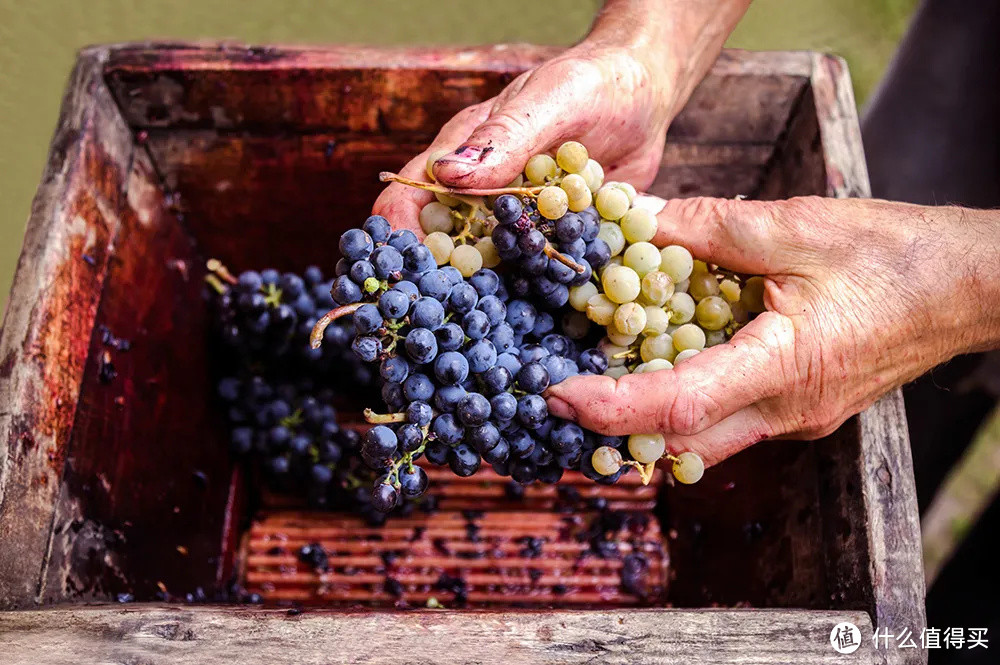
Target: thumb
pixel 525 121
pixel 707 388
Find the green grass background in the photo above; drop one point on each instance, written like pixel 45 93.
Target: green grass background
pixel 38 40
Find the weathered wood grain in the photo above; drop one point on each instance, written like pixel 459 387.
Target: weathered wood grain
pixel 157 635
pixel 134 454
pixel 50 314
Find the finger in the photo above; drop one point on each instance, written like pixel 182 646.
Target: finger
pixel 401 204
pixel 724 439
pixel 745 236
pixel 544 111
pixel 712 385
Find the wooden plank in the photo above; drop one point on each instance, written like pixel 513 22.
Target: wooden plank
pixel 50 315
pixel 746 96
pixel 887 483
pixel 135 448
pixel 209 636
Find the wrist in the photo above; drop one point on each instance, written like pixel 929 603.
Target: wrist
pixel 974 266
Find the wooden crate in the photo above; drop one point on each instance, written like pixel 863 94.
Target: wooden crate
pixel 166 154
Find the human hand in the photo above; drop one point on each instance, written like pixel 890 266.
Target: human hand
pixel 616 92
pixel 862 296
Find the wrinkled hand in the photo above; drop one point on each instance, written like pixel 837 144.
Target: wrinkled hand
pixel 614 103
pixel 862 296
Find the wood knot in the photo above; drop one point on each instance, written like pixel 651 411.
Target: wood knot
pixel 884 476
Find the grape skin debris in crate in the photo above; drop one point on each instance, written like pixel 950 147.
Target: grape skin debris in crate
pixel 114 473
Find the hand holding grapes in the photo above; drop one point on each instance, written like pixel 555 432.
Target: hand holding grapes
pixel 861 297
pixel 616 92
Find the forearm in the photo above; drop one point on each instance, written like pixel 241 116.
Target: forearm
pixel 680 38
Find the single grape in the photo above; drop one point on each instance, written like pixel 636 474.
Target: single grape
pixel 646 448
pixel 684 355
pixel 639 225
pixel 419 413
pixel 703 285
pixel 619 338
pixel 621 284
pixel 572 157
pixel 654 365
pixel 642 257
pixel 531 243
pixel 486 248
pixel 387 262
pixel 752 295
pixel 451 367
pixel 417 258
pixel 344 291
pixel 730 290
pixel 552 202
pixel 507 209
pixel 681 307
pixel 531 411
pixel 606 460
pixel 575 186
pixel 611 202
pixel 616 372
pixel 612 234
pixel 427 313
pixel 533 378
pixel 384 497
pixel 540 168
pixel 628 189
pixel 581 202
pixel 630 318
pixel 580 295
pixel 367 348
pixel 598 253
pixel 713 313
pixel 450 337
pixel 601 309
pixel 462 298
pixel 421 345
pixel 412 481
pixel 592 360
pixel 657 321
pixel 481 354
pixel 436 217
pixel 689 336
pixel 613 352
pixel 402 239
pixel 677 262
pixel 593 173
pixel 394 369
pixel 466 259
pixel 658 346
pixel 463 460
pixel 356 245
pixel 714 338
pixel 688 468
pixel 380 442
pixel 657 287
pixel 441 246
pixel 477 325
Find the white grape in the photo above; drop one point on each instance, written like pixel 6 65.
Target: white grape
pixel 681 307
pixel 677 262
pixel 628 189
pixel 582 202
pixel 552 202
pixel 601 309
pixel 654 365
pixel 539 168
pixel 449 201
pixel 630 318
pixel 466 259
pixel 616 372
pixel 689 336
pixel 606 460
pixel 574 184
pixel 614 353
pixel 436 216
pixel 572 157
pixel 657 287
pixel 612 234
pixel 713 313
pixel 657 321
pixel 639 225
pixel 703 285
pixel 699 266
pixel 714 338
pixel 682 286
pixel 646 448
pixel 684 355
pixel 621 284
pixel 688 468
pixel 657 346
pixel 730 290
pixel 441 246
pixel 619 338
pixel 593 173
pixel 612 203
pixel 579 295
pixel 752 295
pixel 486 247
pixel 642 257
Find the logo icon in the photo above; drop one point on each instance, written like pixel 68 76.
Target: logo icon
pixel 845 638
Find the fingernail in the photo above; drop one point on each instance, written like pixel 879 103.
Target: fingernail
pixel 467 154
pixel 560 408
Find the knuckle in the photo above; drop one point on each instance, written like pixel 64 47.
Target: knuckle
pixel 686 413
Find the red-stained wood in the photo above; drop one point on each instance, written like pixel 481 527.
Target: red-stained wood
pixel 50 314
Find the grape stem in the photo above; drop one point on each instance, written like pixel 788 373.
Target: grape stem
pixel 389 176
pixel 216 284
pixel 216 266
pixel 645 470
pixel 316 337
pixel 383 418
pixel 567 261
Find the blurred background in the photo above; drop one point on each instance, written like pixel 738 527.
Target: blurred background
pixel 38 41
